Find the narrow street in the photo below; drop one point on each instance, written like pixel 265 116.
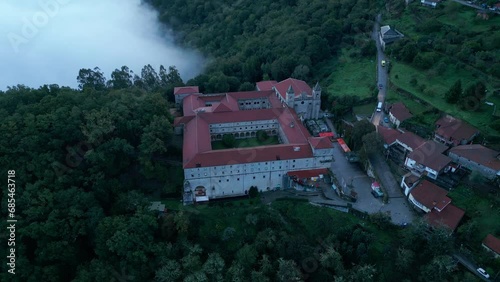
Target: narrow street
pixel 469 265
pixel 381 71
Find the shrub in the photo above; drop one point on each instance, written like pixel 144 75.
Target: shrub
pixel 253 192
pixel 229 140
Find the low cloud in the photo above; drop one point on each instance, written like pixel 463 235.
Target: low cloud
pixel 49 41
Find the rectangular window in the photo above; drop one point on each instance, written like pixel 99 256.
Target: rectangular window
pixel 263 176
pixel 254 177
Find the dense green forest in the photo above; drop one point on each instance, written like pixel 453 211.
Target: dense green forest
pixel 256 40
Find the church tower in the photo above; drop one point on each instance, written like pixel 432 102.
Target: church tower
pixel 316 93
pixel 290 97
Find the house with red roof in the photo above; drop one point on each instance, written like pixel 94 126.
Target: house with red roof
pixel 434 202
pixel 428 159
pixel 211 173
pixel 452 132
pixel 478 158
pixel 399 143
pixel 399 113
pixel 492 244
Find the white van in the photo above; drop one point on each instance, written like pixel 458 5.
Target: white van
pixel 379 107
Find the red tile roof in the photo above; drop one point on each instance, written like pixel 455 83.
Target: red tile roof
pixel 450 127
pixel 493 243
pixel 430 195
pixel 248 155
pixel 478 154
pixel 430 154
pixel 298 87
pixel 411 140
pixel 202 110
pixel 186 90
pixel 449 217
pixel 308 173
pixel 389 135
pixel 266 85
pixel 320 142
pixel 399 111
pixel 221 107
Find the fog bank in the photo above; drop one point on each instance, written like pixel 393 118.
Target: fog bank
pixel 49 41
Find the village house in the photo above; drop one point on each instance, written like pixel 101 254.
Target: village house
pixel 478 158
pixel 388 35
pixel 452 132
pixel 492 244
pixel 434 202
pixel 210 173
pixel 399 143
pixel 399 113
pixel 428 159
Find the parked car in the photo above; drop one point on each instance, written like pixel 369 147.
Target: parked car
pixel 377 195
pixel 380 86
pixel 483 273
pixel 386 119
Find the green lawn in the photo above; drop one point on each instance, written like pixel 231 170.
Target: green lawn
pixel 364 110
pixel 466 18
pixel 247 142
pixel 436 87
pixel 352 76
pixel 483 210
pixel 414 106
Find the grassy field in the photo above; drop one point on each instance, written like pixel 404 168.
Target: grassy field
pixel 481 209
pixel 351 76
pixel 247 142
pixel 364 110
pixel 414 106
pixel 432 89
pixel 466 17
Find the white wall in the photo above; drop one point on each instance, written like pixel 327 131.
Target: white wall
pixel 234 180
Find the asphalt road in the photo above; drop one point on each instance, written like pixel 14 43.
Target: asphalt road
pixel 398 207
pixel 381 71
pixel 469 265
pixel 475 6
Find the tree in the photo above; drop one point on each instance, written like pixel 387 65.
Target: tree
pixel 121 78
pixel 287 271
pixel 405 259
pixel 246 257
pixel 229 140
pixel 150 78
pixel 453 94
pixel 246 86
pixel 439 268
pixel 362 273
pixel 332 260
pixel 372 142
pixel 253 192
pixel 91 79
pixel 214 267
pixel 171 271
pixel 301 72
pixel 360 129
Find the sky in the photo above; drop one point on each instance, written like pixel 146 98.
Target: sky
pixel 49 41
